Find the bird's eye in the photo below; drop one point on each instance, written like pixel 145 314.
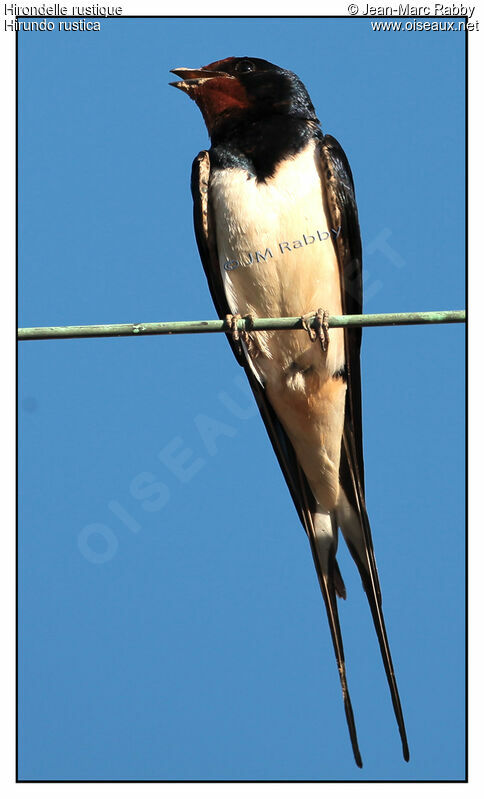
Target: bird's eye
pixel 244 65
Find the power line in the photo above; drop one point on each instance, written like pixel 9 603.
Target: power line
pixel 219 326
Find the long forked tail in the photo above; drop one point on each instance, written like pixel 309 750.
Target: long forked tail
pixel 329 595
pixel 370 585
pixel 379 623
pixel 330 583
pixel 355 527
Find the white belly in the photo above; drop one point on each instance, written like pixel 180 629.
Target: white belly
pixel 276 249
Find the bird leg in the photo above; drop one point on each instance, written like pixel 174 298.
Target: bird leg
pixel 321 327
pixel 232 320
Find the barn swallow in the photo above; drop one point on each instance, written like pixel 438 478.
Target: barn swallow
pixel 277 229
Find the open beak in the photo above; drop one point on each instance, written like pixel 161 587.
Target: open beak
pixel 191 78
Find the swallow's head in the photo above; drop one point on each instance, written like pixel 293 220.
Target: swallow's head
pixel 237 90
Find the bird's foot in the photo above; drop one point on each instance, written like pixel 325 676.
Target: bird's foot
pixel 232 322
pixel 321 327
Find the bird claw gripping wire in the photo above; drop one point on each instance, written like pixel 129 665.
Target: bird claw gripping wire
pixel 321 327
pixel 232 322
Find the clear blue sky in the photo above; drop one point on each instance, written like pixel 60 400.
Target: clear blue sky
pixel 171 624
